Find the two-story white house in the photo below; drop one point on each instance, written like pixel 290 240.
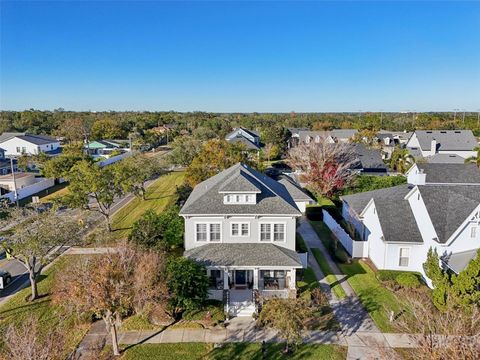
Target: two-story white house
pixel 439 208
pixel 241 225
pixel 428 143
pixel 17 144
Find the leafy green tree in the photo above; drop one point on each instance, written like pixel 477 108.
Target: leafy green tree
pixel 93 188
pixel 288 316
pixel 440 280
pixel 172 226
pixel 474 159
pixel 34 239
pixel 108 129
pixel 215 156
pixel 401 160
pixel 466 285
pixel 60 166
pixel 133 173
pixel 188 284
pixel 184 150
pixel 146 231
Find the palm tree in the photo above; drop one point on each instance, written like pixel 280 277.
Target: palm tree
pixel 474 159
pixel 401 160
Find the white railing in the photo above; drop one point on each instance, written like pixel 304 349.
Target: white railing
pixel 215 294
pixel 355 248
pixel 114 159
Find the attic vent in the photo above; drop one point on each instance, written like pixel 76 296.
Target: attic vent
pixel 429 132
pixel 452 156
pixel 457 132
pixel 443 132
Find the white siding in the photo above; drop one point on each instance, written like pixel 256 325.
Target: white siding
pixel 11 146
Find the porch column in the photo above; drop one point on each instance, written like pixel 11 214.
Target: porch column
pixel 225 279
pixel 255 279
pixel 293 281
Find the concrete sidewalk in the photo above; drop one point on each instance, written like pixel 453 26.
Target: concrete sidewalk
pixel 349 312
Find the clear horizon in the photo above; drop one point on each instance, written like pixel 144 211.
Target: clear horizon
pixel 240 57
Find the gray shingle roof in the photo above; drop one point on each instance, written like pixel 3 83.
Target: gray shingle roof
pixel 240 182
pixel 343 134
pixel 369 159
pixel 243 140
pixel 251 254
pixel 459 261
pixel 396 217
pixel 445 159
pixel 449 206
pixel 206 198
pixel 251 132
pixel 447 140
pixel 451 173
pixel 295 191
pixel 32 138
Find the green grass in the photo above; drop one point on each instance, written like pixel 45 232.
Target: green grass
pixel 376 299
pixel 233 351
pixel 138 322
pixel 324 201
pixel 338 253
pixel 330 277
pixel 307 283
pixel 50 316
pixel 159 194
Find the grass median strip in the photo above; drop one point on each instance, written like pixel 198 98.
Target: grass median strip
pixel 329 276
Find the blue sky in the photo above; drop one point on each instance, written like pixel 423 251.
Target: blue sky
pixel 240 56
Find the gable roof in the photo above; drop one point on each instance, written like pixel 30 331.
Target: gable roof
pixel 368 159
pixel 240 182
pixel 447 140
pixel 335 133
pixel 394 213
pixel 207 199
pixel 459 261
pixel 250 132
pixel 247 254
pixel 449 206
pixel 243 140
pixel 31 138
pixel 295 191
pixel 450 173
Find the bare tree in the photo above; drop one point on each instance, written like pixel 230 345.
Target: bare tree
pixel 36 237
pixel 24 341
pixel 112 286
pixel 326 167
pixel 453 334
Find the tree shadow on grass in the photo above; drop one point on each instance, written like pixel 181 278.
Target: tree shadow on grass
pixel 149 337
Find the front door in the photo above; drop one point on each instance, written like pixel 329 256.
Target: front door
pixel 241 277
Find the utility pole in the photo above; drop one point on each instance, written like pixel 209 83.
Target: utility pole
pixel 381 119
pixel 14 183
pixel 463 117
pixel 478 118
pixel 455 115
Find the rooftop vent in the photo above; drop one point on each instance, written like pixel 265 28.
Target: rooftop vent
pixel 429 132
pixel 457 132
pixel 443 132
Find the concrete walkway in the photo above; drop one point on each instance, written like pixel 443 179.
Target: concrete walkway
pixel 349 312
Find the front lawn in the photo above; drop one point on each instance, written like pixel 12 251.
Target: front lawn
pixel 377 300
pixel 329 276
pixel 17 310
pixel 158 196
pixel 233 351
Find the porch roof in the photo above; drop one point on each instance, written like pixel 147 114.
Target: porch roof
pixel 247 254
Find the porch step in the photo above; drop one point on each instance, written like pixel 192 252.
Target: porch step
pixel 242 309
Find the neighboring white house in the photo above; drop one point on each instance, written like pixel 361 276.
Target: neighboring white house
pixel 250 139
pixel 439 209
pixel 23 143
pixel 241 225
pixel 21 180
pixel 332 136
pixel 427 143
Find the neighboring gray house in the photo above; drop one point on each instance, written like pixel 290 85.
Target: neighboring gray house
pixel 427 143
pixel 369 161
pixel 241 225
pixel 5 166
pixel 250 139
pixel 439 208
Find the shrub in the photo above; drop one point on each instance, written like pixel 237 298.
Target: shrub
pixel 314 213
pixel 392 275
pixel 300 244
pixel 341 255
pixel 408 280
pixel 318 297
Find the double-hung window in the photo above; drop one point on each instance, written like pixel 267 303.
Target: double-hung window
pixel 404 256
pixel 240 229
pixel 278 232
pixel 265 232
pixel 207 232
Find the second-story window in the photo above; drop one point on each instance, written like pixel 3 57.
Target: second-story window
pixel 265 232
pixel 240 229
pixel 201 232
pixel 205 232
pixel 272 232
pixel 279 232
pixel 214 232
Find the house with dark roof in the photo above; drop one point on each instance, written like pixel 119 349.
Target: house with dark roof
pixel 369 160
pixel 427 143
pixel 16 144
pixel 241 225
pixel 400 224
pixel 332 136
pixel 248 138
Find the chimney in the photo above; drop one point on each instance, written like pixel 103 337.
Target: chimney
pixel 433 147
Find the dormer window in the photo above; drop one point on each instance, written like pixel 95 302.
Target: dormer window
pixel 239 199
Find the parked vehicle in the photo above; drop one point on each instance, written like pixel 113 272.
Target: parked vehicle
pixel 5 279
